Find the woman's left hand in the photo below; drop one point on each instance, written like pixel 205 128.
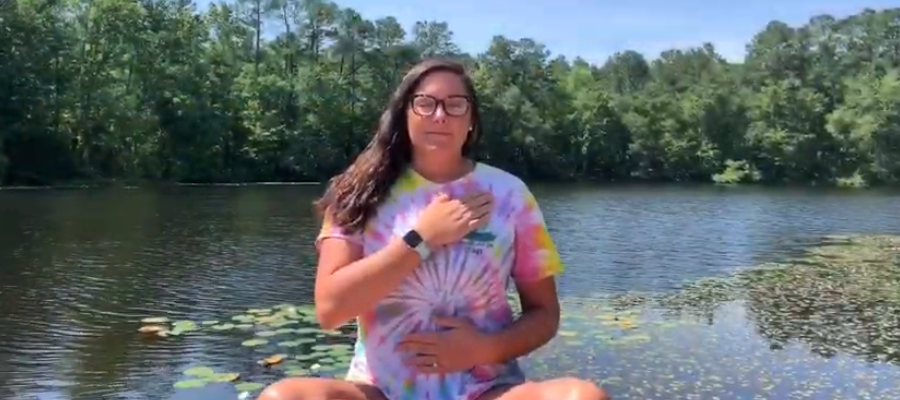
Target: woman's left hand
pixel 457 349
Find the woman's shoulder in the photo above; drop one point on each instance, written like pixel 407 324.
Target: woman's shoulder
pixel 500 180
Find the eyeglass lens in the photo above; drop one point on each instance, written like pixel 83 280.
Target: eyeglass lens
pixel 425 105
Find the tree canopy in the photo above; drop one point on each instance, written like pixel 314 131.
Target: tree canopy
pixel 291 90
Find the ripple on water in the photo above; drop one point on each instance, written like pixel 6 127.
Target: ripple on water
pixel 640 354
pixel 81 339
pixel 636 353
pixel 85 266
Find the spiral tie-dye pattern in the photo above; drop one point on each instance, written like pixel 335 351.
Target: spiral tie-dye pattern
pixel 468 279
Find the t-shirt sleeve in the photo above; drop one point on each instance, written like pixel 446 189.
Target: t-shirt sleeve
pixel 536 256
pixel 330 230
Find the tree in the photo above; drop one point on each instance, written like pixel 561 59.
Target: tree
pixel 287 90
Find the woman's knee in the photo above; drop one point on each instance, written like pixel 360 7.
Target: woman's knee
pixel 295 389
pixel 572 389
pixel 319 389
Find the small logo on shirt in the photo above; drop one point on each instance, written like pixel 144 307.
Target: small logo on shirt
pixel 478 241
pixel 480 236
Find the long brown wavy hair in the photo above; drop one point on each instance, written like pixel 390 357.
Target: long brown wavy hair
pixel 353 196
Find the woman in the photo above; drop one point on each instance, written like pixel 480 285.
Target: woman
pixel 418 243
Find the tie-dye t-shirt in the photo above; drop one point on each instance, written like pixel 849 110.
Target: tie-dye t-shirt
pixel 468 279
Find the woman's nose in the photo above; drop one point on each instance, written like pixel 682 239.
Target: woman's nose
pixel 439 114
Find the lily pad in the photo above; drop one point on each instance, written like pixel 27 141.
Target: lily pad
pixel 296 372
pixel 181 327
pixel 270 320
pixel 272 360
pixel 152 329
pixel 330 347
pixel 248 386
pixel 306 310
pixel 243 318
pixel 254 342
pixel 190 384
pixel 224 377
pixel 199 372
pixel 223 327
pixel 155 320
pixel 279 324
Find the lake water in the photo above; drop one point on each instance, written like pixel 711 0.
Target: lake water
pixel 79 269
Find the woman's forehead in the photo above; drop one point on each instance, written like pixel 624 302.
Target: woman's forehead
pixel 442 84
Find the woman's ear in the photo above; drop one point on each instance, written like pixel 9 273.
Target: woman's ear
pixel 470 140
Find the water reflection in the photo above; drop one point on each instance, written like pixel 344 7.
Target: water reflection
pixel 843 296
pixel 657 357
pixel 822 322
pixel 81 267
pixel 87 265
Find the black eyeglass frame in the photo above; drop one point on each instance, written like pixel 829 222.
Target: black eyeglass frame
pixel 440 103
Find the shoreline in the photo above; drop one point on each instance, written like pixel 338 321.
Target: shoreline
pixel 147 184
pixel 150 184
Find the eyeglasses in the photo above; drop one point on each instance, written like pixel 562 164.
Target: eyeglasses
pixel 426 105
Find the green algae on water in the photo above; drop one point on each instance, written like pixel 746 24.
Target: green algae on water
pixel 796 329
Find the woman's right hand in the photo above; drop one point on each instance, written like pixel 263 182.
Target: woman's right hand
pixel 446 220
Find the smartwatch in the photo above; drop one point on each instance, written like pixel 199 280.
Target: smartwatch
pixel 414 241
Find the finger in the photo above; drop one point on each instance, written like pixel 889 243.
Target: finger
pixel 476 224
pixel 417 348
pixel 474 196
pixel 421 338
pixel 462 214
pixel 482 210
pixel 426 364
pixel 451 322
pixel 481 215
pixel 479 199
pixel 441 197
pixel 423 361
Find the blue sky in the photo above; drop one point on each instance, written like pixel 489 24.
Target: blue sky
pixel 594 29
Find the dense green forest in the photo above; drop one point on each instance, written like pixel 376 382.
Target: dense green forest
pixel 290 90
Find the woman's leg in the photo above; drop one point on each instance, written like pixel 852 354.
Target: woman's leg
pixel 554 389
pixel 320 389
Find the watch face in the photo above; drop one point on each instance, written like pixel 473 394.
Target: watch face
pixel 412 238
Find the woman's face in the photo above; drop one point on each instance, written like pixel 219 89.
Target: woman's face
pixel 439 114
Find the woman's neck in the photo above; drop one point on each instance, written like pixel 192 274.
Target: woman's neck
pixel 440 171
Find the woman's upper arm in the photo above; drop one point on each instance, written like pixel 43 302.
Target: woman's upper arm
pixel 537 259
pixel 337 247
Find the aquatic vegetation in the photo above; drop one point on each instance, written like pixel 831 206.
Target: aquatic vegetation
pixel 841 295
pixel 159 327
pixel 200 376
pixel 313 351
pixel 799 329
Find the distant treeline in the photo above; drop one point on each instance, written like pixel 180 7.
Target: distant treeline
pixel 155 90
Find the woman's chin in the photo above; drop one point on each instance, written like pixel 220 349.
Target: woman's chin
pixel 440 146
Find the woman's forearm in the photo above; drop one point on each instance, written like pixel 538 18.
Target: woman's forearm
pixel 357 287
pixel 531 331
